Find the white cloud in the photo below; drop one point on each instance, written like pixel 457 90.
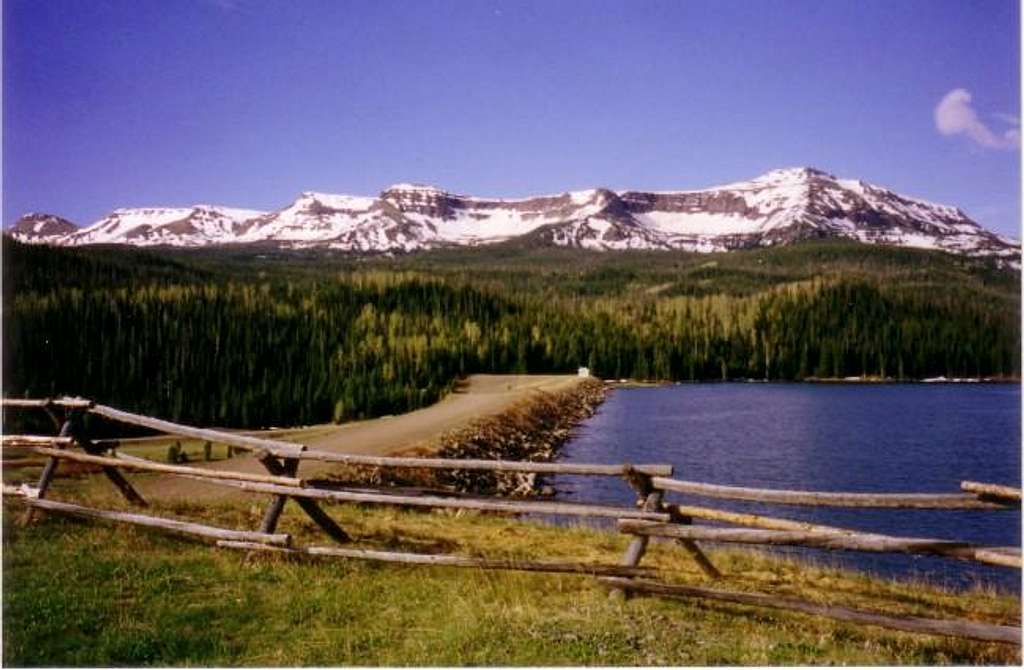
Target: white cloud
pixel 955 116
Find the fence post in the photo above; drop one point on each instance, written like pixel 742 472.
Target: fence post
pixel 48 408
pixel 649 500
pixel 310 507
pixel 693 548
pixel 48 471
pixel 273 513
pixel 80 435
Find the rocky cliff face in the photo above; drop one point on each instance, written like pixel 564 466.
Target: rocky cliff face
pixel 780 207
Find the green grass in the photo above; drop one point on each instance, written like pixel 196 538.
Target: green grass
pixel 92 594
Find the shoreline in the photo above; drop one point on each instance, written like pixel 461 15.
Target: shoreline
pixel 853 381
pixel 532 430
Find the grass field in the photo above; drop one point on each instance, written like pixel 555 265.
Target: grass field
pixel 92 594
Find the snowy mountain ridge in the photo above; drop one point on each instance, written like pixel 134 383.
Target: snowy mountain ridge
pixel 779 207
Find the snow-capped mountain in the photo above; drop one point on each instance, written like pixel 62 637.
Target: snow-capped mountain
pixel 41 228
pixel 196 226
pixel 780 207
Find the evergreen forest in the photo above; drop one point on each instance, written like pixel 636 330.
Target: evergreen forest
pixel 260 337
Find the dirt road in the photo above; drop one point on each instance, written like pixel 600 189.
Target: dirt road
pixel 478 397
pixel 483 395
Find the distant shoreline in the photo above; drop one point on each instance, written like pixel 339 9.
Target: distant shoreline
pixel 634 383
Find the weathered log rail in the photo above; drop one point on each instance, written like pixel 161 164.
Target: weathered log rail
pixel 787 532
pixel 444 502
pixel 152 466
pixel 834 539
pixel 968 500
pixel 172 525
pixel 623 470
pixel 972 630
pixel 651 517
pixel 993 491
pixel 1005 556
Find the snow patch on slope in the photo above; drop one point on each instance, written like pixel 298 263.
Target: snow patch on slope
pixel 779 207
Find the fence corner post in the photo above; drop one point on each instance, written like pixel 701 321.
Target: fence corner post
pixel 649 500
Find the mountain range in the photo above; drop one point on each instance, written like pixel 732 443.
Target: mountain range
pixel 779 207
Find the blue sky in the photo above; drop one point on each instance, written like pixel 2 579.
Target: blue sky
pixel 110 103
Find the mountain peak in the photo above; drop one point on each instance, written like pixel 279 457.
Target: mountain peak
pixel 36 226
pixel 782 206
pixel 408 187
pixel 795 174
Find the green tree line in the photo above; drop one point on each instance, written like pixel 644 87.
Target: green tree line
pixel 254 352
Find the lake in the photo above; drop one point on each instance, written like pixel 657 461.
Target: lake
pixel 843 437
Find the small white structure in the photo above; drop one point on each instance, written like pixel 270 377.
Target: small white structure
pixel 583 372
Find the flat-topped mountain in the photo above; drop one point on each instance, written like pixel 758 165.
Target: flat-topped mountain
pixel 779 207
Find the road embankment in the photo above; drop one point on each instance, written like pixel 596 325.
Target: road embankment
pixel 532 429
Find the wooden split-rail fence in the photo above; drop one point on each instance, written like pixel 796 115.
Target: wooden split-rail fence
pixel 652 517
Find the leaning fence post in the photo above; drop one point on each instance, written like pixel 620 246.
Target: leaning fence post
pixel 80 435
pixel 694 549
pixel 48 472
pixel 273 513
pixel 312 510
pixel 48 408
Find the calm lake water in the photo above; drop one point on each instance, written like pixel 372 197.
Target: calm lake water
pixel 872 438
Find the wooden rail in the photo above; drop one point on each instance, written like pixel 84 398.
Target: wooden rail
pixel 67 403
pixel 828 499
pixel 1001 493
pixel 441 502
pixel 1003 556
pixel 489 465
pixel 152 466
pixel 14 463
pixel 275 447
pixel 957 628
pixel 1006 556
pixel 184 527
pixel 446 560
pixel 833 539
pixel 744 519
pixel 28 441
pixel 295 450
pixel 652 516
